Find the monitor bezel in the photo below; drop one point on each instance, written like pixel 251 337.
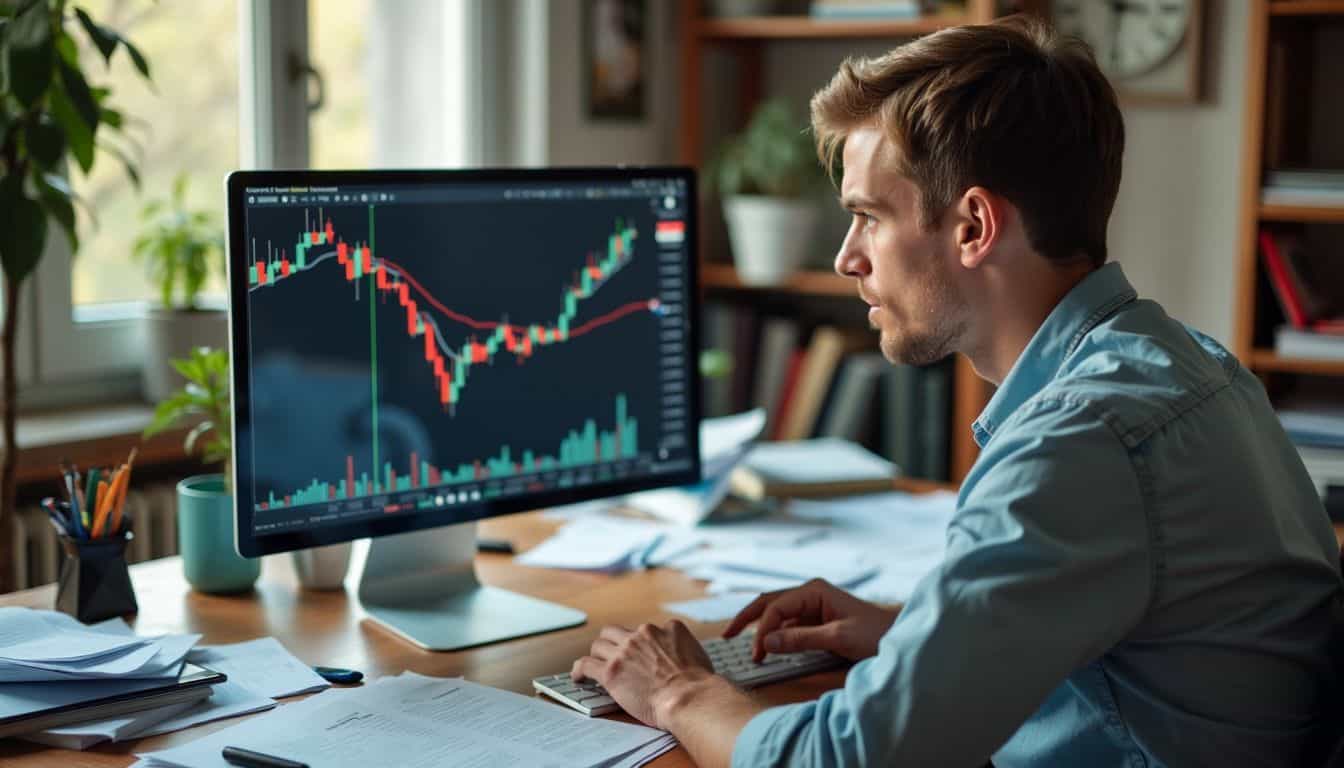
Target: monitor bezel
pixel 246 542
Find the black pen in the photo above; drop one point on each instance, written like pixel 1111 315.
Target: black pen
pixel 250 759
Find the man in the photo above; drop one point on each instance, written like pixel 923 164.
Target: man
pixel 1138 571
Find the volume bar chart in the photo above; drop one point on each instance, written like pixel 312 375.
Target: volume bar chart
pixel 583 447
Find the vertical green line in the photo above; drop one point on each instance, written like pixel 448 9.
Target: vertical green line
pixel 373 358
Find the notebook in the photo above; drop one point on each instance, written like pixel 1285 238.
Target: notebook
pixel 29 707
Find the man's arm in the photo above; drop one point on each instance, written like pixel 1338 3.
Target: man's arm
pixel 1047 568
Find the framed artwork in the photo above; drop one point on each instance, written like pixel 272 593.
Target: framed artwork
pixel 615 58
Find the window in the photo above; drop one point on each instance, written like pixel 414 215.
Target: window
pixel 252 83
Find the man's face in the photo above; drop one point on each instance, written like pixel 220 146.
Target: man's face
pixel 906 275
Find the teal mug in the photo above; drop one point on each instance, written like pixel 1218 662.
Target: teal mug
pixel 205 538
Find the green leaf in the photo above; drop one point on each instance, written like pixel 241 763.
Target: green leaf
pixel 126 163
pixel 77 133
pixel 67 48
pixel 23 229
pixel 58 203
pixel 137 58
pixel 32 52
pixel 46 141
pixel 80 95
pixel 104 39
pixel 110 117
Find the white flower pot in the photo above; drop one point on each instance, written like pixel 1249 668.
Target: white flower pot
pixel 171 334
pixel 323 567
pixel 770 236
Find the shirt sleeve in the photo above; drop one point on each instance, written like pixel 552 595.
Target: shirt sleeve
pixel 1047 567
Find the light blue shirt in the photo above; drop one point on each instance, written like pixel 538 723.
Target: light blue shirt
pixel 1138 573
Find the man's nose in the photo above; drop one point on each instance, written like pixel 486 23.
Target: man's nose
pixel 851 261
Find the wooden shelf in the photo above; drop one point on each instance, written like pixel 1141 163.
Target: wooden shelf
pixel 807 28
pixel 1301 213
pixel 1265 360
pixel 804 283
pixel 1307 8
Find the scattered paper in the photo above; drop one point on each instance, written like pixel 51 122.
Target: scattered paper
pixel 262 666
pixel 86 735
pixel 228 699
pixel 603 543
pixel 412 721
pixel 821 460
pixel 716 608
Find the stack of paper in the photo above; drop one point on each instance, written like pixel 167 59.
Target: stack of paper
pixel 723 443
pixel 38 646
pixel 412 721
pixel 877 546
pixel 258 671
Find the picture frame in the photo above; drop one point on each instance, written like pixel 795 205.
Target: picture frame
pixel 615 59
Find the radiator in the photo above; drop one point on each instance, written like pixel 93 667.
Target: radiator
pixel 37 552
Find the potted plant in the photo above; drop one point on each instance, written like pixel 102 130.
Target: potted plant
pixel 180 247
pixel 767 177
pixel 205 502
pixel 50 119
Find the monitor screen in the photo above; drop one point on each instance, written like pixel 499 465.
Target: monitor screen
pixel 415 349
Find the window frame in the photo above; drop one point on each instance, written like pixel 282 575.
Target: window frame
pixel 69 354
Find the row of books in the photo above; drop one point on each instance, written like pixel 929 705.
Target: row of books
pixel 843 10
pixel 1315 187
pixel 1317 429
pixel 1315 316
pixel 831 382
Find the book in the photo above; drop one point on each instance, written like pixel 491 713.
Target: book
pixel 716 392
pixel 746 325
pixel 842 10
pixel 786 393
pixel 31 707
pixel 824 466
pixel 1299 343
pixel 779 339
pixel 1286 288
pixel 849 415
pixel 933 419
pixel 824 352
pixel 898 402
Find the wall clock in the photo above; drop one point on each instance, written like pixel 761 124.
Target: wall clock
pixel 1150 49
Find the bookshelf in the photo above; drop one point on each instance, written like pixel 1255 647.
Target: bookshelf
pixel 744 38
pixel 1281 67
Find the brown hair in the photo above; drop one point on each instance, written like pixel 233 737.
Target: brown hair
pixel 1011 106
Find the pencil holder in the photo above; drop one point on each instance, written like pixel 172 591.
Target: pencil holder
pixel 95 584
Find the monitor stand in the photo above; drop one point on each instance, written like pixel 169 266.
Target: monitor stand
pixel 422 585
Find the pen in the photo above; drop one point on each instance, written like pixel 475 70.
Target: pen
pixel 501 546
pixel 250 759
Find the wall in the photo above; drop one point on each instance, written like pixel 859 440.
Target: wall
pixel 1174 227
pixel 1175 224
pixel 545 116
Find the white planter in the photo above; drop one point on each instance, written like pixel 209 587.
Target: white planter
pixel 323 567
pixel 770 236
pixel 170 334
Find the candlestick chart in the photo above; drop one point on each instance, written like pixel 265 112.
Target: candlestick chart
pixel 427 347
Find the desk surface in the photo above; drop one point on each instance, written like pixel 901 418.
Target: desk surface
pixel 326 628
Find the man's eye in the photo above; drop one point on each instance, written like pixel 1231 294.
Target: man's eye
pixel 867 220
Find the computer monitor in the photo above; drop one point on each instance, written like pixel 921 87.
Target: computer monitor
pixel 417 350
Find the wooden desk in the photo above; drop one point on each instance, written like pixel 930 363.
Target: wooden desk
pixel 326 628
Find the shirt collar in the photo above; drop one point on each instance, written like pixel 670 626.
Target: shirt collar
pixel 1088 303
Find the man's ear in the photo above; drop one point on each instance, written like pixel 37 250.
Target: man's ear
pixel 981 218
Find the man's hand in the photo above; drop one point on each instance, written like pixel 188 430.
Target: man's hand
pixel 815 616
pixel 636 667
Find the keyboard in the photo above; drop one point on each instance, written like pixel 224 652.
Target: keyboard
pixel 731 658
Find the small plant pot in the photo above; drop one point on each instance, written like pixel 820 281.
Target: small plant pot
pixel 323 567
pixel 205 538
pixel 770 236
pixel 171 334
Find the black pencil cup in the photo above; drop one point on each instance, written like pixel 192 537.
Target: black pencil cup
pixel 95 584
